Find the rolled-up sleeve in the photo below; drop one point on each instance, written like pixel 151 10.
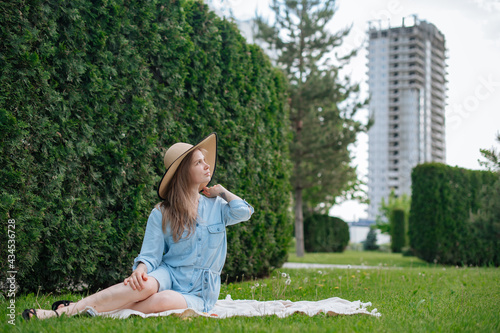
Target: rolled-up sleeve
pixel 153 244
pixel 237 211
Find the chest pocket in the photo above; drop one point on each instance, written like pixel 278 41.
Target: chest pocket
pixel 216 234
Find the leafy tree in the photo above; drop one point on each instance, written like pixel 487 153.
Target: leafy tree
pixel 386 211
pixel 322 104
pixel 492 157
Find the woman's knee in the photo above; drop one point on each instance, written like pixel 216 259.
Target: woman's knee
pixel 170 300
pixel 151 286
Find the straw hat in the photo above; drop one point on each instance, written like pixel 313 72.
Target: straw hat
pixel 176 153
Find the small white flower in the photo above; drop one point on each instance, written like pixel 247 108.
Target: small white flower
pixel 340 277
pixel 252 287
pixel 320 272
pixel 306 280
pixel 288 281
pixel 358 271
pixel 283 275
pixel 256 285
pixel 348 266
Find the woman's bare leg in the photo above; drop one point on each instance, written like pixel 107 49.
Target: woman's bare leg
pixel 112 298
pixel 159 302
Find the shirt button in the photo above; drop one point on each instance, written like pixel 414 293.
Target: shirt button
pixel 199 239
pixel 190 284
pixel 197 224
pixel 199 255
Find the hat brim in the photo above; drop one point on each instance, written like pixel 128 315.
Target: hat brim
pixel 210 145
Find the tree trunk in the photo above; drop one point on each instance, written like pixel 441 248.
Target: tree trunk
pixel 299 224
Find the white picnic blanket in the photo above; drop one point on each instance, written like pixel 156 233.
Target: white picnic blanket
pixel 249 308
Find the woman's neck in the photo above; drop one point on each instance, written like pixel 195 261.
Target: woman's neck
pixel 195 195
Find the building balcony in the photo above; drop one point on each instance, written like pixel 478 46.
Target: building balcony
pixel 437 120
pixel 438 97
pixel 418 61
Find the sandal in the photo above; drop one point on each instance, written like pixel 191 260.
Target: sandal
pixel 55 305
pixel 27 312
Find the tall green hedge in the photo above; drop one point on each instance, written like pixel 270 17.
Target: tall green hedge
pixel 91 94
pixel 323 233
pixel 444 199
pixel 398 230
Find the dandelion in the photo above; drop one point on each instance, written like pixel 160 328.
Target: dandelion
pixel 358 271
pixel 320 272
pixel 256 285
pixel 283 275
pixel 306 280
pixel 353 276
pixel 336 287
pixel 348 266
pixel 288 281
pixel 264 285
pixel 340 277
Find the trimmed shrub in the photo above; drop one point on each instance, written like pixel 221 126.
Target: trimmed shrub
pixel 323 233
pixel 398 232
pixel 444 199
pixel 91 94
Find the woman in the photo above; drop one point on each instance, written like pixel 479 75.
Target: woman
pixel 184 246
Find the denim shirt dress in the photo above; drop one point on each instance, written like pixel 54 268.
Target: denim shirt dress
pixel 192 265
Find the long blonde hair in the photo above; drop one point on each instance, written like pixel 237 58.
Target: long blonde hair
pixel 179 208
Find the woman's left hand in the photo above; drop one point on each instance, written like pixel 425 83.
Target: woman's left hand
pixel 219 190
pixel 213 191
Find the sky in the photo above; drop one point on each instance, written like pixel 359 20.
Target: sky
pixel 472 32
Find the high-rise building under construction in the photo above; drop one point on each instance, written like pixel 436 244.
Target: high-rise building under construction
pixel 407 83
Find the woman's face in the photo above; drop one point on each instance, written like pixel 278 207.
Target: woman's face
pixel 199 170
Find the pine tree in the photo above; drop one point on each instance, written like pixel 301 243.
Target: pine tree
pixel 322 105
pixel 370 243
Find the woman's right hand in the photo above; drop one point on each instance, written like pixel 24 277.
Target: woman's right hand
pixel 137 278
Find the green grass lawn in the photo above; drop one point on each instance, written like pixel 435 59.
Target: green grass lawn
pixel 416 299
pixel 367 258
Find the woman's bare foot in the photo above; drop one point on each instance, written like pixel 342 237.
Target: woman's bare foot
pixel 63 306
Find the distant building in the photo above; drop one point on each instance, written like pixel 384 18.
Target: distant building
pixel 359 230
pixel 407 83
